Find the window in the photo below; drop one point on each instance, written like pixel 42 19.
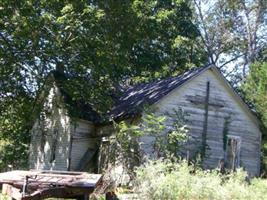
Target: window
pixel 233 152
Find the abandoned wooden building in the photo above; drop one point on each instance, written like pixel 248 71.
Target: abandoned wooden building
pixel 60 142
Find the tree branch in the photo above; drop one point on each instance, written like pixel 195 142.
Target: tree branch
pixel 231 60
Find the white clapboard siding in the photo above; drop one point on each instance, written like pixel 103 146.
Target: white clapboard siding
pixel 82 139
pixel 53 120
pixel 242 122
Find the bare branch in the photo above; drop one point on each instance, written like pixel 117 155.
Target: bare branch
pixel 231 60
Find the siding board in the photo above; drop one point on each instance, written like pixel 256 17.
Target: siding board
pixel 53 118
pixel 82 140
pixel 241 123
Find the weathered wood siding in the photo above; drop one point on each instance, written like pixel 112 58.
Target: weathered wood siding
pixel 106 133
pixel 51 132
pixel 223 103
pixel 55 131
pixel 83 137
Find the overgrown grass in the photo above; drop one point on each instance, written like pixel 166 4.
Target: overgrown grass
pixel 165 180
pixel 3 197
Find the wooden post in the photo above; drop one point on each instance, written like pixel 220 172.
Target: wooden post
pixel 205 124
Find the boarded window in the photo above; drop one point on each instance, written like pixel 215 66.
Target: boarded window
pixel 233 152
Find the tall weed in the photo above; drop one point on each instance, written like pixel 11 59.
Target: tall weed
pixel 165 180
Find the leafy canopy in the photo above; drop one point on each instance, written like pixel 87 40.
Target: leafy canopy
pixel 100 45
pixel 256 89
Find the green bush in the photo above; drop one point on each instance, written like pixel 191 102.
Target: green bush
pixel 166 180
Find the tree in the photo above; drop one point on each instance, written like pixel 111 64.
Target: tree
pixel 100 42
pixel 255 89
pixel 14 126
pixel 99 45
pixel 232 33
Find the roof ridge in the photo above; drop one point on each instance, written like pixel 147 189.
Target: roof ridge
pixel 170 77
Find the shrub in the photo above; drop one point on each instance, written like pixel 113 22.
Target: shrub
pixel 169 132
pixel 163 179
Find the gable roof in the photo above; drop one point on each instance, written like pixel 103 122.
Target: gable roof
pixel 134 98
